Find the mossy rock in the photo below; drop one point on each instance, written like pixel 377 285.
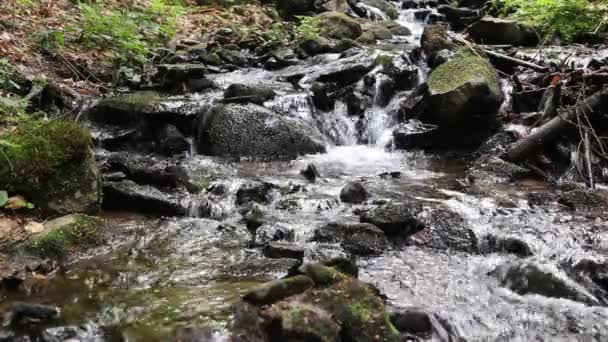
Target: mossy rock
pixel 462 90
pixel 367 38
pixel 339 25
pixel 64 234
pixel 338 305
pixel 379 31
pixel 274 291
pixel 434 39
pixel 51 164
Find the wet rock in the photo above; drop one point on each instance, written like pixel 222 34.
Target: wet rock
pixel 339 25
pixel 396 28
pixel 434 39
pixel 233 57
pixel 180 77
pixel 355 238
pixel 531 278
pixel 341 72
pixel 145 110
pixel 412 321
pixel 283 250
pixel 490 30
pixel 255 191
pixel 315 46
pixel 506 244
pixel 463 92
pixel 273 232
pixel 254 215
pixel 253 131
pixel 394 219
pixel 28 314
pixel 204 56
pixel 128 195
pixel 385 6
pixel 263 268
pixel 241 93
pixel 584 200
pixel 148 170
pixel 311 173
pixel 86 332
pixel 492 169
pixel 193 334
pixel 357 308
pixel 445 229
pixel 459 17
pixel 354 192
pixel 378 31
pixel 172 142
pixel 274 291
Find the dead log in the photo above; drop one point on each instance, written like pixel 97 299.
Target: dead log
pixel 512 60
pixel 555 128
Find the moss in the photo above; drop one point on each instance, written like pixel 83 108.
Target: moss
pixel 360 310
pixel 37 150
pixel 383 60
pixel 339 25
pixel 81 230
pixel 460 70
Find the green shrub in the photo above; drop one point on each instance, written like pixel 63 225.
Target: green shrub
pixel 556 18
pixel 310 28
pixel 130 34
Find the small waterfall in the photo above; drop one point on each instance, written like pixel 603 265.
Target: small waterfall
pixel 372 13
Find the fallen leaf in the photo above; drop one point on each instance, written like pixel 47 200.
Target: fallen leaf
pixel 34 227
pixel 17 202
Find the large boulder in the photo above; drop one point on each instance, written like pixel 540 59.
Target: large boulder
pixel 464 91
pixel 51 164
pixel 321 304
pixel 237 130
pixel 242 93
pixel 339 25
pixel 490 30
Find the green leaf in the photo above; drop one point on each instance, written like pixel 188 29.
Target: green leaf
pixel 3 198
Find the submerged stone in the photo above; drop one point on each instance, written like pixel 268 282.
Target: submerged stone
pixel 355 238
pixel 353 192
pixel 399 220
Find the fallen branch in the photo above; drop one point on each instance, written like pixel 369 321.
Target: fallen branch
pixel 555 128
pixel 516 61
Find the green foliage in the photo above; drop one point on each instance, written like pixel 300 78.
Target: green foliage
pixel 130 34
pixel 556 18
pixel 310 28
pixel 3 198
pixel 36 150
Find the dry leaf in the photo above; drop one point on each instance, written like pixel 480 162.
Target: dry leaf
pixel 34 227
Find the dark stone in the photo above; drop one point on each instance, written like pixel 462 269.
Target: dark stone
pixel 459 17
pixel 262 268
pixel 490 30
pixel 127 195
pixel 180 77
pixel 584 200
pixel 412 320
pixel 434 39
pixel 26 314
pixel 492 169
pixel 353 192
pixel 506 244
pixel 445 229
pixel 283 250
pixel 525 277
pixel 241 93
pixel 172 142
pixel 148 170
pixel 255 191
pixel 394 219
pixel 233 57
pixel 355 238
pixel 273 232
pixel 310 172
pixel 344 265
pixel 238 130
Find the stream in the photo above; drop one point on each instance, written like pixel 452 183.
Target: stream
pixel 188 271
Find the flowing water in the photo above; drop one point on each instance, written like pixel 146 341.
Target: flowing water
pixel 188 271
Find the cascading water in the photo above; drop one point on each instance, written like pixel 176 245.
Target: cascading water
pixel 188 271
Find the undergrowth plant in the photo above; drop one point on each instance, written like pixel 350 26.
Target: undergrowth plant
pixel 557 18
pixel 132 33
pixel 309 27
